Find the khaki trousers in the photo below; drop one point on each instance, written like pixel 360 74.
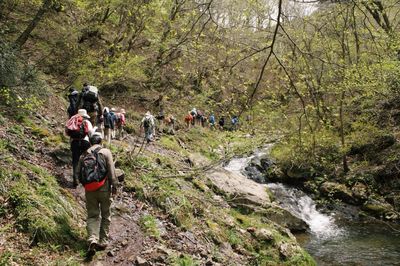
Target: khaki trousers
pixel 98 206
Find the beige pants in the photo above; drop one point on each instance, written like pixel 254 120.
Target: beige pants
pixel 107 135
pixel 98 206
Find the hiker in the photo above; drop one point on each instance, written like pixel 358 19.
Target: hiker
pixel 170 122
pixel 189 120
pixel 211 121
pixel 221 123
pixel 199 117
pixel 73 100
pixel 78 128
pixel 96 172
pixel 113 118
pixel 235 122
pixel 203 120
pixel 193 113
pixel 108 125
pixel 159 103
pixel 90 101
pixel 120 122
pixel 148 125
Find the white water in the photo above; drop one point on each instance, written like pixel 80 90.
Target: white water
pixel 293 200
pixel 302 206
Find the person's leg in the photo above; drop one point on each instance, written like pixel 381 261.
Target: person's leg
pixel 75 150
pixel 93 219
pixel 105 208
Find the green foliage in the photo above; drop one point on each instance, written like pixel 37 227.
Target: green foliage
pixel 183 260
pixel 149 225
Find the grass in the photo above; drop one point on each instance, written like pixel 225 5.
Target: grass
pixel 149 224
pixel 42 210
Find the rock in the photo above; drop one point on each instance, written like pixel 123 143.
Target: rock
pixel 111 253
pixel 378 208
pixel 120 174
pixel 141 262
pixel 337 191
pixel 284 218
pixel 264 234
pixel 124 243
pixel 288 250
pixel 198 160
pixel 62 156
pixel 238 188
pixel 360 192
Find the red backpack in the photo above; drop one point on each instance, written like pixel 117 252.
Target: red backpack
pixel 76 128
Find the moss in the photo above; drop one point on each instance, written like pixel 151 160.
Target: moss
pixel 182 260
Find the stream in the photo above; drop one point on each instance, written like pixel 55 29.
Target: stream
pixel 331 240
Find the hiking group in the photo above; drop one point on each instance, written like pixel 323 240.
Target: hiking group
pixel 197 117
pixel 92 164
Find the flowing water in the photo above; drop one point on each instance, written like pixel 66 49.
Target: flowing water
pixel 333 241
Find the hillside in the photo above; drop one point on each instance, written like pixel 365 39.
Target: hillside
pixel 318 81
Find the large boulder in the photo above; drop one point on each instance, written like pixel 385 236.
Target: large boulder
pixel 337 191
pixel 285 218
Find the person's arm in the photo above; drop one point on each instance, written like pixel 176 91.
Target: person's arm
pixel 110 168
pixel 100 105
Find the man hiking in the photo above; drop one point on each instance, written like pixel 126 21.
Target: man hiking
pixel 189 120
pixel 108 124
pixel 148 126
pixel 90 101
pixel 193 113
pixel 73 102
pixel 120 122
pixel 211 121
pixel 78 128
pixel 221 123
pixel 96 172
pixel 113 118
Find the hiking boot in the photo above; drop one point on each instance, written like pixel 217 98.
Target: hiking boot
pixel 92 248
pixel 102 245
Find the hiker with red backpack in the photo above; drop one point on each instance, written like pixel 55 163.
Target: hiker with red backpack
pixel 189 120
pixel 120 122
pixel 89 100
pixel 96 172
pixel 78 128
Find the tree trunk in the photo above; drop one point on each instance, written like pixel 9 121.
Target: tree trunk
pixel 345 164
pixel 32 25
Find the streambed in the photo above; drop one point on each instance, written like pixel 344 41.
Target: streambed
pixel 330 240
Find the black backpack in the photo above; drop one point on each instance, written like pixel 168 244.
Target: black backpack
pixel 94 167
pixel 73 100
pixel 146 123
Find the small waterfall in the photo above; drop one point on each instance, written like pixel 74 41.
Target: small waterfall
pixel 293 200
pixel 301 205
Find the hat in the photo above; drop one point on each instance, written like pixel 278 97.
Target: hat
pixel 148 113
pixel 122 111
pixel 96 134
pixel 106 110
pixel 83 112
pixel 112 109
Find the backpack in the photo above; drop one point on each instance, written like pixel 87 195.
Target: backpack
pixel 147 122
pixel 118 119
pixel 93 171
pixel 76 128
pixel 73 99
pixel 90 97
